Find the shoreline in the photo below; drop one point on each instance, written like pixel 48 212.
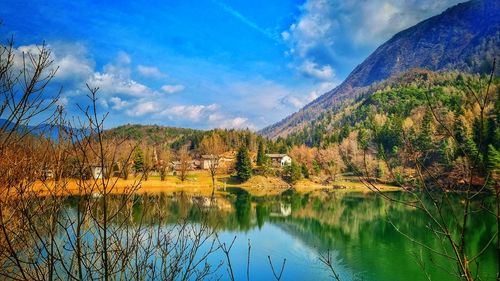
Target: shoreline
pixel 200 184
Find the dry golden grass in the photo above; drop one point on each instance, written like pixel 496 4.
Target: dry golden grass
pixel 199 183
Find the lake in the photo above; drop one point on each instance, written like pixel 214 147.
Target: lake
pixel 357 229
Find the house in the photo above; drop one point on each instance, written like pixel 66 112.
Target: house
pixel 279 160
pixel 192 165
pixel 47 174
pixel 207 160
pixel 97 171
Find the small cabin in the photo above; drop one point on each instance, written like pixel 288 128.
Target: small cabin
pixel 223 161
pixel 98 172
pixel 177 165
pixel 47 174
pixel 279 160
pixel 206 161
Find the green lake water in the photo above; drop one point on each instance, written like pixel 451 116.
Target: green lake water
pixel 358 229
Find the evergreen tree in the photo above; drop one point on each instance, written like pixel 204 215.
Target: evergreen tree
pixel 363 139
pixel 379 171
pixel 243 164
pixel 493 159
pixel 446 154
pixel 261 155
pixel 460 135
pixel 305 171
pixel 292 173
pixel 138 160
pixel 424 140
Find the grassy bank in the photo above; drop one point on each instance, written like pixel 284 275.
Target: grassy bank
pixel 200 183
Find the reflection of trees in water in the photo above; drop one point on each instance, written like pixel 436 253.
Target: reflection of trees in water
pixel 358 226
pixel 361 228
pixel 243 210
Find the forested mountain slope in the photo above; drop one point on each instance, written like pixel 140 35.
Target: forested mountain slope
pixel 465 37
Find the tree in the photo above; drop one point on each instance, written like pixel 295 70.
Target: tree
pixel 424 140
pixel 149 155
pixel 214 147
pixel 330 159
pixel 304 155
pixel 261 155
pixel 243 165
pixel 162 164
pixel 44 234
pixel 292 173
pixel 428 188
pixel 184 162
pixel 493 163
pixel 138 160
pixel 305 171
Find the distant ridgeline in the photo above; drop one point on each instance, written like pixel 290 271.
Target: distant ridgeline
pixel 176 137
pixel 463 38
pixel 43 130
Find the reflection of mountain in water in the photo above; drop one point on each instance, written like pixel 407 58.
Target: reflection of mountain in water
pixel 355 226
pixel 360 228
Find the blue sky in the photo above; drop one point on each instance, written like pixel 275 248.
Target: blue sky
pixel 207 63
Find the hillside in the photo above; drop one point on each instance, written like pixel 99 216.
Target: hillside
pixel 151 134
pixel 419 118
pixel 154 135
pixel 465 37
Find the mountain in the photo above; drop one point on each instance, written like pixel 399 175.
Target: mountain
pixel 42 129
pixel 465 37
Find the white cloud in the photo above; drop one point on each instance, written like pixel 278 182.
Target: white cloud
pixel 236 123
pixel 319 90
pixel 73 61
pixel 116 79
pixel 76 69
pixel 150 71
pixel 62 101
pixel 118 103
pixel 189 112
pixel 298 102
pixel 324 72
pixel 171 89
pixel 70 59
pixel 123 58
pixel 328 32
pixel 143 107
pixel 293 101
pixel 110 84
pixel 219 120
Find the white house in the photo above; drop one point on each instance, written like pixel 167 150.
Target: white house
pixel 279 160
pixel 206 161
pixel 97 171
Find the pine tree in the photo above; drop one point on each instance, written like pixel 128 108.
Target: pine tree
pixel 460 135
pixel 445 153
pixel 424 138
pixel 292 173
pixel 305 171
pixel 261 155
pixel 243 164
pixel 138 160
pixel 493 160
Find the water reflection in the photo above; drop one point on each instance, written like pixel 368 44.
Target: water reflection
pixel 359 228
